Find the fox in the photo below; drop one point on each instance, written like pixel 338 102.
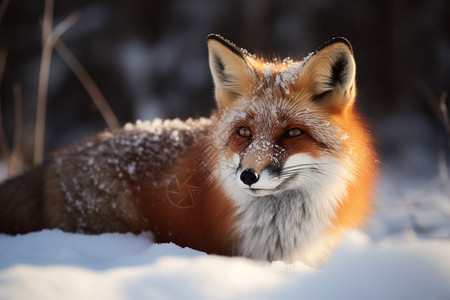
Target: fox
pixel 282 168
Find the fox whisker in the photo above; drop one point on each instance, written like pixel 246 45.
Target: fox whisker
pixel 188 181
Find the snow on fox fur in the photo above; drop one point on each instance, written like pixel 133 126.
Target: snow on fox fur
pixel 279 172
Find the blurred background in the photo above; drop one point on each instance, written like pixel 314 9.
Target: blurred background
pixel 149 59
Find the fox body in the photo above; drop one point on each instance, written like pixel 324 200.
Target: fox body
pixel 279 171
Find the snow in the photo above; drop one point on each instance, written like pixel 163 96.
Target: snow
pixel 53 265
pixel 403 253
pixel 285 73
pixel 344 137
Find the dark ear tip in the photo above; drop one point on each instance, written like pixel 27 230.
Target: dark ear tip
pixel 220 39
pixel 214 36
pixel 226 43
pixel 335 41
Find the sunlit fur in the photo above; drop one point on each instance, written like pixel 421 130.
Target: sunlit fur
pixel 181 180
pixel 325 176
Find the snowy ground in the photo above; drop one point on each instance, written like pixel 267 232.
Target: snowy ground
pixel 404 253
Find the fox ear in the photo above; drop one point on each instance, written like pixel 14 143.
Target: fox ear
pixel 331 74
pixel 230 70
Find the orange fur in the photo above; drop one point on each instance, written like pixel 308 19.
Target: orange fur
pixel 204 223
pixel 287 189
pixel 356 206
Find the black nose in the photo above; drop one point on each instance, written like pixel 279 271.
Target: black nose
pixel 249 176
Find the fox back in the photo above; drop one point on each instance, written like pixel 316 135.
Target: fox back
pixel 279 172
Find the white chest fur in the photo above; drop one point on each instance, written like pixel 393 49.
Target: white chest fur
pixel 292 224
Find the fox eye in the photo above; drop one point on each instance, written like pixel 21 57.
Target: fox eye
pixel 293 132
pixel 244 132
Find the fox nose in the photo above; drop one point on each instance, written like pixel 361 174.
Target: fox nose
pixel 249 176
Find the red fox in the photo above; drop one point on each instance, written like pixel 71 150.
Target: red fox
pixel 279 172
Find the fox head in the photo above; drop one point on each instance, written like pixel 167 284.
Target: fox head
pixel 284 124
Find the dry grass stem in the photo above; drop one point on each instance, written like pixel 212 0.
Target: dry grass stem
pixel 430 98
pixel 89 84
pixel 47 22
pixel 3 7
pixel 18 116
pixel 63 27
pixel 3 55
pixel 51 40
pixel 4 145
pixel 443 170
pixel 444 111
pixel 44 74
pixel 48 40
pixel 17 164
